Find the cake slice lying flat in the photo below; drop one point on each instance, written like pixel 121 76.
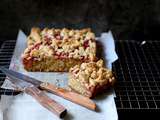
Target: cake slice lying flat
pixel 58 49
pixel 90 78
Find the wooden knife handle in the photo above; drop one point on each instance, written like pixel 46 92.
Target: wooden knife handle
pixel 47 102
pixel 71 96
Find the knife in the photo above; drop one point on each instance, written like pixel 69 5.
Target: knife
pixel 66 94
pixel 36 93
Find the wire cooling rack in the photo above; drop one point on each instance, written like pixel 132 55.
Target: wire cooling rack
pixel 138 74
pixel 137 70
pixel 6 52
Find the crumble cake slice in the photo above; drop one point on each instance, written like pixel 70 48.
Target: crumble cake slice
pixel 58 49
pixel 90 78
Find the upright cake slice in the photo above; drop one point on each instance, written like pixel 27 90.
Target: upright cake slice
pixel 90 78
pixel 58 49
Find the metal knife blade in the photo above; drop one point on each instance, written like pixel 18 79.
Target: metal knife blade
pixel 24 81
pixel 19 78
pixel 31 89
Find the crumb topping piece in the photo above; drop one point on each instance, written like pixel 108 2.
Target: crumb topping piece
pixel 92 74
pixel 61 43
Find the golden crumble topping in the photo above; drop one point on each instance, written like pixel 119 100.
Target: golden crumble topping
pixel 92 74
pixel 60 44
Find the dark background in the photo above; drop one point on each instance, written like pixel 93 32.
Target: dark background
pixel 128 19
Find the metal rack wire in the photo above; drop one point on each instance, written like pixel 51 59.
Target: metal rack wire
pixel 137 70
pixel 6 52
pixel 138 73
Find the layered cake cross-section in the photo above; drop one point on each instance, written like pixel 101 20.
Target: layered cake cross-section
pixel 90 78
pixel 58 49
